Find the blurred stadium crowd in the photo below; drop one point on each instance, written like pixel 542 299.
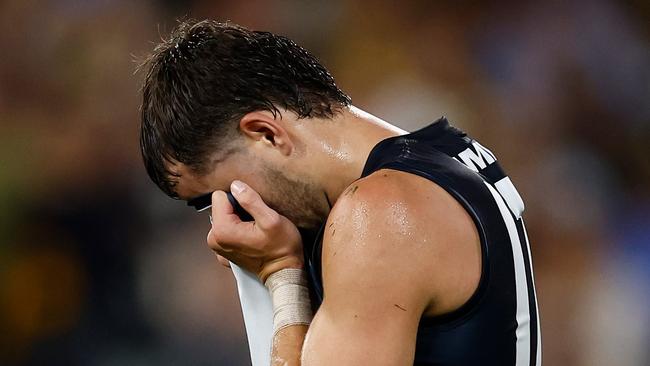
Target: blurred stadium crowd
pixel 97 267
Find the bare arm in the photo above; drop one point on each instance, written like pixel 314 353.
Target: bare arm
pixel 287 346
pixel 393 250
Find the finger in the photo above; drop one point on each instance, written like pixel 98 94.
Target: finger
pixel 251 201
pixel 212 241
pixel 224 262
pixel 215 243
pixel 224 220
pixel 231 238
pixel 222 210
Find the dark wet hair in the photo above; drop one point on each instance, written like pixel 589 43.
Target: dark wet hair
pixel 206 76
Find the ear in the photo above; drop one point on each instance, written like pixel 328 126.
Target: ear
pixel 263 127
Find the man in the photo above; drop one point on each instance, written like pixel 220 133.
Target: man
pixel 421 255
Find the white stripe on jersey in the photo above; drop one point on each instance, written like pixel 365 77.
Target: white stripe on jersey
pixel 538 361
pixel 521 285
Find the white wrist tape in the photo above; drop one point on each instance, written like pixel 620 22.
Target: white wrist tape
pixel 290 297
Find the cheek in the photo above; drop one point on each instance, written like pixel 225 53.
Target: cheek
pixel 227 172
pixel 275 199
pixel 250 177
pixel 264 188
pixel 274 195
pixel 298 204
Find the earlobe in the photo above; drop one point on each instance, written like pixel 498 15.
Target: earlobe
pixel 263 126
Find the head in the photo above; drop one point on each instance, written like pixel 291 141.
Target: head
pixel 221 102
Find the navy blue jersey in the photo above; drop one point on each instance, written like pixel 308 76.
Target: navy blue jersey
pixel 499 324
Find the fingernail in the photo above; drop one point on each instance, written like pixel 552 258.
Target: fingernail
pixel 237 187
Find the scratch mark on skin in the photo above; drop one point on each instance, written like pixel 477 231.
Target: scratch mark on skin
pixel 333 232
pixel 330 225
pixel 399 307
pixel 351 190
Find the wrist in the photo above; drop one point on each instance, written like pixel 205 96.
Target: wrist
pixel 290 297
pixel 277 265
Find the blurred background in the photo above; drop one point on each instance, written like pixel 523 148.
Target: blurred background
pixel 97 267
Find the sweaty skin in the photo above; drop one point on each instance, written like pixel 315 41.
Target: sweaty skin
pixel 396 245
pixel 415 251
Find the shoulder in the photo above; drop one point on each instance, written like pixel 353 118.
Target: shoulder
pixel 401 204
pixel 402 224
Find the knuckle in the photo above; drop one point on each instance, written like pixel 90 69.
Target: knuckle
pixel 274 219
pixel 226 247
pixel 220 251
pixel 215 234
pixel 214 246
pixel 210 237
pixel 215 240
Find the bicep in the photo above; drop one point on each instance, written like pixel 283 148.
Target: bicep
pixel 375 293
pixel 351 336
pixel 389 255
pixel 369 316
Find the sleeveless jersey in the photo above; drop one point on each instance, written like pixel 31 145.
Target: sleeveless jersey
pixel 499 325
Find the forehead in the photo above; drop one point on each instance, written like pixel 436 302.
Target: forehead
pixel 221 173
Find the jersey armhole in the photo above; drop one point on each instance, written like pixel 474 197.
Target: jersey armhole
pixel 457 316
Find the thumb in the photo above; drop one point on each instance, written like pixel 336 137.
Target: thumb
pixel 251 201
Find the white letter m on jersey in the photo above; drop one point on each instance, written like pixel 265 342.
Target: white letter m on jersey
pixel 479 160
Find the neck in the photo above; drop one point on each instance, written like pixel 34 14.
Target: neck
pixel 345 148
